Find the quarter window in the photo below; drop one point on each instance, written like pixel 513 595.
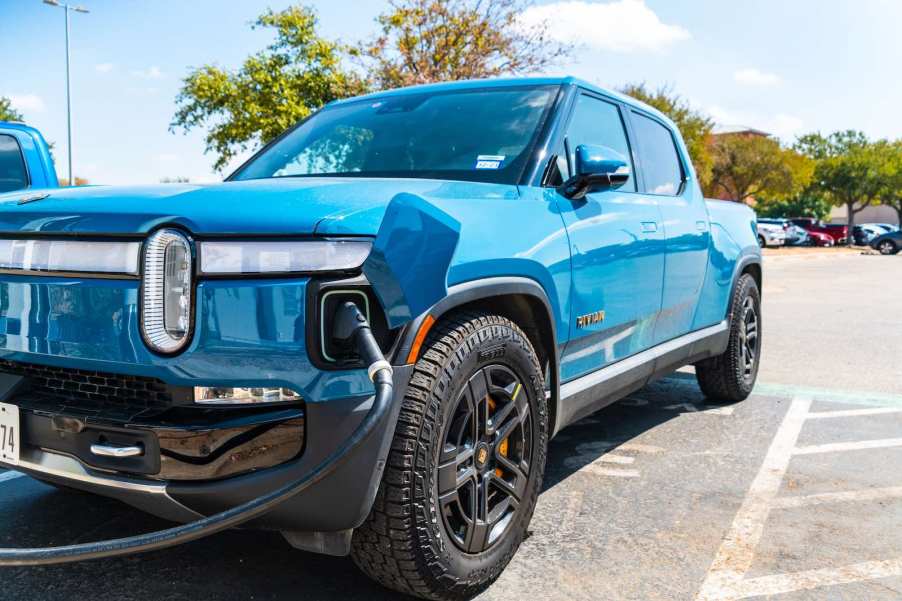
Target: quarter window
pixel 12 165
pixel 598 123
pixel 658 157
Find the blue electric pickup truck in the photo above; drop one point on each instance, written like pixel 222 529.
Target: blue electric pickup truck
pixel 25 160
pixel 383 316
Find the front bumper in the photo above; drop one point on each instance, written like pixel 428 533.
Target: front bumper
pixel 339 502
pixel 247 333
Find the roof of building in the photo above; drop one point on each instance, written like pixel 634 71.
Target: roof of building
pixel 723 129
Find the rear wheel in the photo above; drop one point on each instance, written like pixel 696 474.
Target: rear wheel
pixel 887 247
pixel 466 463
pixel 730 377
pixel 762 242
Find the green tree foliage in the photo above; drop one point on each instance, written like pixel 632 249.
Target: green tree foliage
pixel 274 88
pixel 892 191
pixel 748 167
pixel 694 125
pixel 424 41
pixel 7 112
pixel 850 170
pixel 801 205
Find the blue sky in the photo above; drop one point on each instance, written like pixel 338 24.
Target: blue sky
pixel 785 66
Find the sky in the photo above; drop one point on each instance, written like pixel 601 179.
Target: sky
pixel 784 66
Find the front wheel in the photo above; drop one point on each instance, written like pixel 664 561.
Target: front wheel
pixel 762 242
pixel 730 377
pixel 465 466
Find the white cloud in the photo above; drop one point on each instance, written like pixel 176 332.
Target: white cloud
pixel 104 67
pixel 27 102
pixel 149 73
pixel 755 77
pixel 783 125
pixel 619 26
pixel 167 157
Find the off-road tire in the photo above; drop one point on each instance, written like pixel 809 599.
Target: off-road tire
pixel 724 378
pixel 404 543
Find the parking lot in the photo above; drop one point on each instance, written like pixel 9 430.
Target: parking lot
pixel 795 493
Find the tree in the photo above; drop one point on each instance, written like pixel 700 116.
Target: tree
pixel 749 167
pixel 694 125
pixel 7 112
pixel 800 205
pixel 849 171
pixel 424 41
pixel 274 89
pixel 892 191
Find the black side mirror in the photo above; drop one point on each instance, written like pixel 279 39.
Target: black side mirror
pixel 598 168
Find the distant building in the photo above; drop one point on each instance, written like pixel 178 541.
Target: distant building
pixel 875 214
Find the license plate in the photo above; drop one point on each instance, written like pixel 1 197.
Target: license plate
pixel 9 434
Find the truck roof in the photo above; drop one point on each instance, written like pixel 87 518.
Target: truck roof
pixel 508 82
pixel 18 125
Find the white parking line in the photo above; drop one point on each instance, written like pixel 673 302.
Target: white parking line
pixel 734 558
pixel 621 459
pixel 787 583
pixel 867 494
pixel 598 470
pixel 6 476
pixel 853 412
pixel 834 447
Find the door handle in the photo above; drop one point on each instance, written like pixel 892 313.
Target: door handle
pixel 701 226
pixel 649 227
pixel 105 450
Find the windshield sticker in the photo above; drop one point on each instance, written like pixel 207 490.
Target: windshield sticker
pixel 489 161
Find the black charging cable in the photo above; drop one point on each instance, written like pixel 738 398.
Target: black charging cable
pixel 350 324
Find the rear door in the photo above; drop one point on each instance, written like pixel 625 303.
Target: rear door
pixel 667 183
pixel 616 246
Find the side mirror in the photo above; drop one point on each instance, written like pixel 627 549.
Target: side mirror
pixel 598 168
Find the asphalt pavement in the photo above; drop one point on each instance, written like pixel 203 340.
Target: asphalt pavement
pixel 795 493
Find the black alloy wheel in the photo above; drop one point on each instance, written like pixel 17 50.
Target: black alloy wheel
pixel 485 459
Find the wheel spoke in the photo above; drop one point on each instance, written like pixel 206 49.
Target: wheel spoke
pixel 516 488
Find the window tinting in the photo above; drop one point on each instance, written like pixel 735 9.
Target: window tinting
pixel 658 157
pixel 12 165
pixel 476 135
pixel 598 123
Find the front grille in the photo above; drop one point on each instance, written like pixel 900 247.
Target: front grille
pixel 90 392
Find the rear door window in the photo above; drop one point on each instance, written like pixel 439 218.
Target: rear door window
pixel 12 165
pixel 658 157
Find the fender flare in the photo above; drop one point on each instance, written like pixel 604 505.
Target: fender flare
pixel 474 290
pixel 741 265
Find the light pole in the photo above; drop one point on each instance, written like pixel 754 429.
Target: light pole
pixel 79 9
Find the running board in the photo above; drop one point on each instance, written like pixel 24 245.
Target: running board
pixel 587 394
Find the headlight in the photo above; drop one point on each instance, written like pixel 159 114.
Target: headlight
pixel 233 396
pixel 166 308
pixel 236 257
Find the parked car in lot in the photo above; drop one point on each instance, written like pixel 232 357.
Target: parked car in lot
pixel 837 231
pixel 25 160
pixel 770 234
pixel 888 244
pixel 795 235
pixel 385 314
pixel 863 234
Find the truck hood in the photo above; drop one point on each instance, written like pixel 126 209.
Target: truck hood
pixel 289 206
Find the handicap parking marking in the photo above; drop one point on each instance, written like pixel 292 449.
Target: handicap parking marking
pixel 7 476
pixel 726 581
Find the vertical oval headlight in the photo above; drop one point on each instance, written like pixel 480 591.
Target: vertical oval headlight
pixel 166 306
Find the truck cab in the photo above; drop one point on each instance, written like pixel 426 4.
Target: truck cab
pixel 523 252
pixel 25 160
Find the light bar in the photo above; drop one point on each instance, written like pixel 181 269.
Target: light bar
pixel 279 256
pixel 70 256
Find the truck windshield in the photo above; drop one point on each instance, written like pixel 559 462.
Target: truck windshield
pixel 473 135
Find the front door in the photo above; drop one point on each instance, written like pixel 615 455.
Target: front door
pixel 617 252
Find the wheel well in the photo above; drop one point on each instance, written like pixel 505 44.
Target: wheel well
pixel 754 269
pixel 530 314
